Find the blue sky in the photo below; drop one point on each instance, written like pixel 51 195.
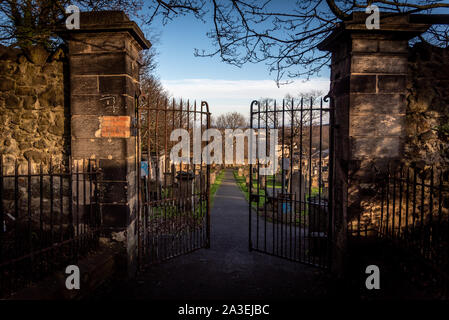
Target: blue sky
pixel 226 87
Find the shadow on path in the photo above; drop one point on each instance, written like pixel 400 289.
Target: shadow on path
pixel 227 270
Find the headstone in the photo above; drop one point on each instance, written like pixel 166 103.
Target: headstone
pixel 285 164
pixel 315 181
pixel 168 179
pixel 144 171
pixel 262 182
pixel 278 178
pixel 297 186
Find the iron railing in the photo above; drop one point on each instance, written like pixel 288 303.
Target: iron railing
pixel 50 217
pixel 411 212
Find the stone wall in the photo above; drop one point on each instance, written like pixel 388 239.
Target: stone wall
pixel 426 126
pixel 33 114
pixel 427 120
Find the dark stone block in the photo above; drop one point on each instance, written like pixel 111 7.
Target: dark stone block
pixel 84 85
pixel 113 85
pixel 108 105
pixel 114 192
pixel 378 103
pixel 118 85
pixel 385 64
pixel 392 84
pixel 113 169
pixel 363 84
pixel 115 215
pixel 85 126
pixel 102 64
pixel 102 148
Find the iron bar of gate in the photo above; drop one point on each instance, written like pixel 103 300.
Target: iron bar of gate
pixel 319 179
pixel 208 115
pixel 296 221
pixel 173 216
pixel 302 202
pixel 292 204
pixel 273 182
pixel 282 177
pixel 257 181
pixel 310 177
pixel 400 201
pixel 407 199
pixel 331 205
pixel 250 187
pixel 437 234
pixel 431 231
pixel 275 197
pixel 266 183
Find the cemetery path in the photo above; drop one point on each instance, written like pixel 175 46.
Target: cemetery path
pixel 227 270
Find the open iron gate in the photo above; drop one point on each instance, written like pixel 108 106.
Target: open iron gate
pixel 290 210
pixel 173 198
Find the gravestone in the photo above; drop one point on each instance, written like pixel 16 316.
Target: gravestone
pixel 297 186
pixel 262 182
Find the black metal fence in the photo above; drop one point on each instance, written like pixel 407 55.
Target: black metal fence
pixel 411 211
pixel 49 217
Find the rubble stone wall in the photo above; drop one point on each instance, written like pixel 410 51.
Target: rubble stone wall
pixel 427 113
pixel 34 115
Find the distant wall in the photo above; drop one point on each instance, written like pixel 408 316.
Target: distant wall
pixel 427 119
pixel 34 115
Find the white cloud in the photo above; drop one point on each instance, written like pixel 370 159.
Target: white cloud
pixel 236 95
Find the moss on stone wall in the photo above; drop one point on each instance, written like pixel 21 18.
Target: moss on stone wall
pixel 34 122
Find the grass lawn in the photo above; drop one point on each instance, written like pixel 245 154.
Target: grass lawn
pixel 215 186
pixel 241 182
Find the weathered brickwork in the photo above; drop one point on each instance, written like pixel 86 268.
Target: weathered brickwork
pixel 34 122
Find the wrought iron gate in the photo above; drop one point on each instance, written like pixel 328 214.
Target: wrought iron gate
pixel 290 210
pixel 173 198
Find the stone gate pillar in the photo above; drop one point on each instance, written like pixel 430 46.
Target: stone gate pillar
pixel 368 87
pixel 104 81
